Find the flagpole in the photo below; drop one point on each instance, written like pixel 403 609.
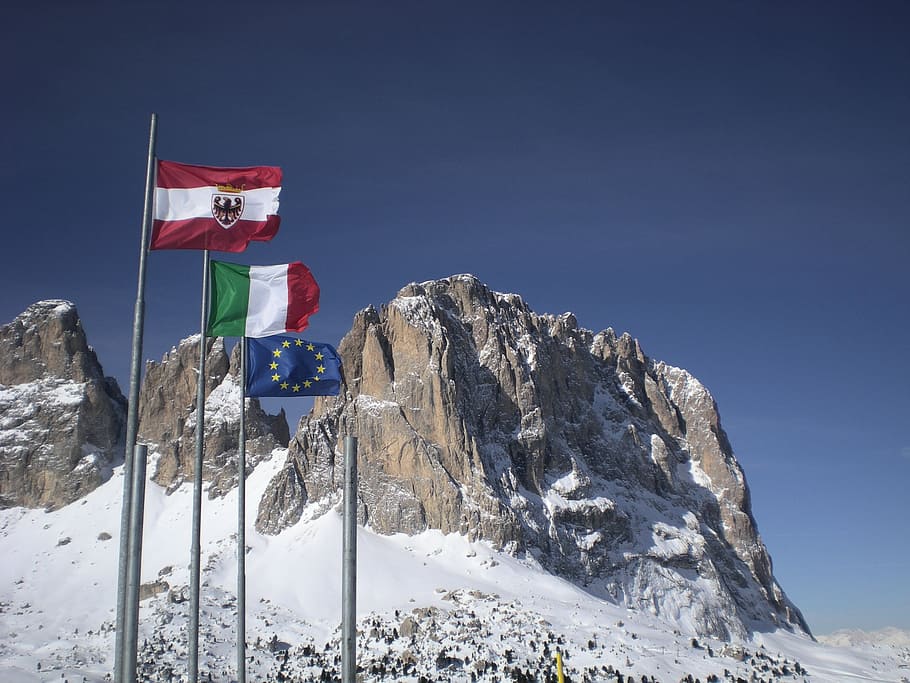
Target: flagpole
pixel 349 564
pixel 241 524
pixel 195 549
pixel 132 412
pixel 131 618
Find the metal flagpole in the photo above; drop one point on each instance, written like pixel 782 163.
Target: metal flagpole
pixel 132 413
pixel 241 524
pixel 195 549
pixel 131 618
pixel 349 565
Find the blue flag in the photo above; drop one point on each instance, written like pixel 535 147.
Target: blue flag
pixel 288 366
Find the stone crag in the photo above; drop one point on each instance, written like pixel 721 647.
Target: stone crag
pixel 167 417
pixel 61 419
pixel 477 416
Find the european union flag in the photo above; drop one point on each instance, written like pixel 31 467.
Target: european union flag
pixel 288 366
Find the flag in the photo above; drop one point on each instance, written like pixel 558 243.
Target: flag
pixel 222 209
pixel 287 366
pixel 258 301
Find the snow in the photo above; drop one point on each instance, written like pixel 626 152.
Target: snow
pixel 681 386
pixel 472 605
pixel 375 406
pixel 42 309
pixel 23 407
pixel 568 483
pixel 669 541
pixel 222 405
pixel 691 468
pixel 53 390
pixel 418 312
pixel 627 384
pixel 554 501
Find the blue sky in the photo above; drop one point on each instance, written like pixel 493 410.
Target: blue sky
pixel 727 181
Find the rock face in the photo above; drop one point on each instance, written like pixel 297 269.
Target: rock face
pixel 61 419
pixel 167 417
pixel 477 416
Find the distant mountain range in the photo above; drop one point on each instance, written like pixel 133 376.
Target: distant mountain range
pixel 885 637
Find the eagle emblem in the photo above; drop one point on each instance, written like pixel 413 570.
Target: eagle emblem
pixel 227 209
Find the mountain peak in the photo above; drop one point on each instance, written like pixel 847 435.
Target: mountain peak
pixel 62 417
pixel 47 340
pixel 59 307
pixel 573 450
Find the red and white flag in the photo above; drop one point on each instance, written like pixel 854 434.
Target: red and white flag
pixel 221 209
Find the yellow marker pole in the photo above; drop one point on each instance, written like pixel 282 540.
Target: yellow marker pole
pixel 559 667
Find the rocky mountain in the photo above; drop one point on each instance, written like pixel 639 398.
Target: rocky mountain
pixel 553 452
pixel 61 419
pixel 167 417
pixel 571 449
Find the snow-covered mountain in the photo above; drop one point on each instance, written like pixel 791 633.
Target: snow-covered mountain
pixel 167 417
pixel 885 637
pixel 61 419
pixel 571 449
pixel 563 495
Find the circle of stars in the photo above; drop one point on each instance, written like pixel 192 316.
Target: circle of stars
pixel 307 383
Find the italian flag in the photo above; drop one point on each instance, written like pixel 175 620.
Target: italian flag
pixel 208 207
pixel 259 301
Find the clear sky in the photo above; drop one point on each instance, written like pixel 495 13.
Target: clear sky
pixel 727 181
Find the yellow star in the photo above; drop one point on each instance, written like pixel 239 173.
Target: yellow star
pixel 276 377
pixel 307 383
pixel 299 342
pixel 316 378
pixel 319 356
pixel 296 387
pixel 273 365
pixel 286 344
pixel 277 353
pixel 310 347
pixel 320 369
pixel 284 385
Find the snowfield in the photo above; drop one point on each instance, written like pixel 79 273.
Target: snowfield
pixel 430 607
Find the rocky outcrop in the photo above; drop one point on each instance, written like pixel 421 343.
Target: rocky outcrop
pixel 476 415
pixel 61 419
pixel 167 417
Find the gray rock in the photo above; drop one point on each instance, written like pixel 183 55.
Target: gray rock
pixel 408 627
pixel 47 340
pixel 152 588
pixel 477 416
pixel 178 595
pixel 61 419
pixel 167 417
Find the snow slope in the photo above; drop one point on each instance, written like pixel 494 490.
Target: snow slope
pixel 428 605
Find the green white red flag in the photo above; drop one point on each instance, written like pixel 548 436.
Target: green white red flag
pixel 259 301
pixel 221 209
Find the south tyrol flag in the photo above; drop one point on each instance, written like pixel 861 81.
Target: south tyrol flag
pixel 287 366
pixel 258 301
pixel 221 209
